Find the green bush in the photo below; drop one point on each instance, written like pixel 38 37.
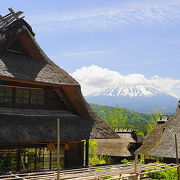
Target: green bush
pixel 109 177
pixel 125 161
pixel 166 175
pixel 94 159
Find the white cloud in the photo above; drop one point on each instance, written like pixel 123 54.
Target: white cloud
pixel 105 18
pixel 95 78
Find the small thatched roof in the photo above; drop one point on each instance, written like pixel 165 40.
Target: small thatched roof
pixel 116 147
pixel 161 140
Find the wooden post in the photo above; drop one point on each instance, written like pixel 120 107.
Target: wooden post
pixel 87 153
pixel 35 159
pixel 43 158
pixel 27 159
pixel 50 159
pixel 137 176
pixel 135 163
pixel 18 160
pixel 58 149
pixel 177 158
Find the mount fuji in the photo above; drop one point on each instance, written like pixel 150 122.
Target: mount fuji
pixel 138 98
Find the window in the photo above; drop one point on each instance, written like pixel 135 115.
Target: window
pixel 29 96
pixel 22 96
pixel 6 95
pixel 37 97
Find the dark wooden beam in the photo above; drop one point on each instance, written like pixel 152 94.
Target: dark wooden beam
pixel 18 160
pixel 43 158
pixel 21 146
pixel 50 159
pixel 35 159
pixel 87 153
pixel 34 82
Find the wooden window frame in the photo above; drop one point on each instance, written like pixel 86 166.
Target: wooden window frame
pixel 4 96
pixel 14 96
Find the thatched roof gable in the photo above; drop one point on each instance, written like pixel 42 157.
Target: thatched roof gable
pixel 10 34
pixel 161 141
pixel 34 65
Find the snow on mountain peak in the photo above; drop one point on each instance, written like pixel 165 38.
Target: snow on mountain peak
pixel 127 91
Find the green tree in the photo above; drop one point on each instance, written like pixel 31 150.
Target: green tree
pixel 94 159
pixel 140 122
pixel 117 118
pixel 153 122
pixel 150 125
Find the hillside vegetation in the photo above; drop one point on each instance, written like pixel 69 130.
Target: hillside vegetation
pixel 124 118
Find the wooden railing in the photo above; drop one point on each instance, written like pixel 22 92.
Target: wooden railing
pixel 116 172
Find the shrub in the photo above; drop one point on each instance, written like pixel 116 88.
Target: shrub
pixel 168 174
pixel 94 159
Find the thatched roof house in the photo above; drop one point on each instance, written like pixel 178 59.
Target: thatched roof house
pixel 34 92
pixel 163 118
pixel 119 148
pixel 23 61
pixel 161 141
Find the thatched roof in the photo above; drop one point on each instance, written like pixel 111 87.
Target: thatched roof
pixel 116 147
pixel 161 141
pixel 22 60
pixel 34 65
pixel 39 126
pixel 27 68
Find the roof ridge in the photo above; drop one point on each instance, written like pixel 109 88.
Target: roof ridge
pixel 9 18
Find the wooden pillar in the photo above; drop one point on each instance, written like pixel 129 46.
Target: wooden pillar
pixel 135 163
pixel 58 149
pixel 87 153
pixel 50 159
pixel 27 159
pixel 137 176
pixel 18 160
pixel 43 158
pixel 35 159
pixel 177 158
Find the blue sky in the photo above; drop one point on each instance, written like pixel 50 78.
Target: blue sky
pixel 124 36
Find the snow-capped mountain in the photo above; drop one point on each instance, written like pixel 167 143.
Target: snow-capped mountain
pixel 127 91
pixel 138 98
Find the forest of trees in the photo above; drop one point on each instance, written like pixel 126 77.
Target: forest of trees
pixel 124 118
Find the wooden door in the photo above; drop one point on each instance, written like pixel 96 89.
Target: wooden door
pixel 74 155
